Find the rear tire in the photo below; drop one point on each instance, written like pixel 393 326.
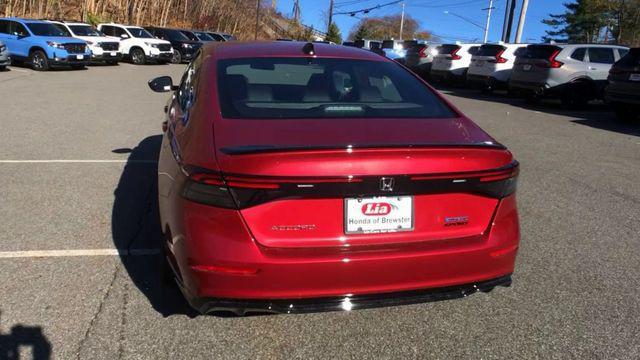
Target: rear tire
pixel 138 57
pixel 39 61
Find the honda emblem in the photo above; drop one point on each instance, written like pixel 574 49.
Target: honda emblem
pixel 386 183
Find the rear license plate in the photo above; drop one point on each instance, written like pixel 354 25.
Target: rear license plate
pixel 634 77
pixel 378 214
pixel 526 67
pixel 114 54
pixel 79 57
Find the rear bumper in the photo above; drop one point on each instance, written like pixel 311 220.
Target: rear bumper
pixel 448 75
pixel 221 267
pixel 614 94
pixel 485 81
pixel 163 56
pixel 345 303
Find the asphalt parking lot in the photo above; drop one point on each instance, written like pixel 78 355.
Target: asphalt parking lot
pixel 79 239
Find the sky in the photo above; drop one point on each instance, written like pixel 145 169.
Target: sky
pixel 432 17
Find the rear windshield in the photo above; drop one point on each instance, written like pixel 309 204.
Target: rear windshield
pixel 46 29
pixel 540 51
pixel 489 50
pixel 447 48
pixel 304 88
pixel 631 59
pixel 474 50
pixel 388 44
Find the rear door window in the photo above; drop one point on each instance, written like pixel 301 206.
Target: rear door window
pixel 4 27
pixel 18 29
pixel 578 54
pixel 323 88
pixel 601 55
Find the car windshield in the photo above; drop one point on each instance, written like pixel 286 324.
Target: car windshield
pixel 204 37
pixel 140 33
pixel 47 29
pixel 85 30
pixel 175 35
pixel 323 88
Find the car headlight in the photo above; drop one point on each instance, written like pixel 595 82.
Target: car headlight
pixel 2 48
pixel 56 45
pixel 186 46
pixel 152 45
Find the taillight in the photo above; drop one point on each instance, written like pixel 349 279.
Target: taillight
pixel 422 53
pixel 208 189
pixel 553 63
pixel 454 54
pixel 498 58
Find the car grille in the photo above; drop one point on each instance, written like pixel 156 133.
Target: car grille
pixel 75 48
pixel 110 46
pixel 164 47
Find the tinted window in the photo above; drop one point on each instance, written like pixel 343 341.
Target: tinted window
pixel 204 37
pixel 323 88
pixel 388 44
pixel 520 52
pixel 631 59
pixel 4 27
pixel 84 30
pixel 490 50
pixel 118 31
pixel 542 52
pixel 217 37
pixel 174 35
pixel 62 29
pixel 578 54
pixel 46 29
pixel 601 55
pixel 447 49
pixel 622 52
pixel 140 33
pixel 18 29
pixel 190 35
pixel 474 50
pixel 107 30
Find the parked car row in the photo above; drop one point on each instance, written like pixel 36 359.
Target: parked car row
pixel 573 73
pixel 47 43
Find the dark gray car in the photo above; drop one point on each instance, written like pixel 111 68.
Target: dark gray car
pixel 576 73
pixel 623 91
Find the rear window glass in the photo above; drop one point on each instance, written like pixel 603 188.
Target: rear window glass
pixel 540 51
pixel 447 49
pixel 489 50
pixel 578 54
pixel 323 88
pixel 632 59
pixel 601 55
pixel 474 50
pixel 388 44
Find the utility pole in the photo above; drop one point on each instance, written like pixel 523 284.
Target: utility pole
pixel 257 18
pixel 511 7
pixel 486 28
pixel 402 21
pixel 523 15
pixel 330 15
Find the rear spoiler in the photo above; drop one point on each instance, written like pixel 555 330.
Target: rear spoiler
pixel 256 149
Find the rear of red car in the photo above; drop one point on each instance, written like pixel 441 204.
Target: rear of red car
pixel 330 180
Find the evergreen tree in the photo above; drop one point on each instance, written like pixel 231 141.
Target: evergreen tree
pixel 334 34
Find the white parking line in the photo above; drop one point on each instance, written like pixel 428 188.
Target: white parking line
pixel 79 252
pixel 77 161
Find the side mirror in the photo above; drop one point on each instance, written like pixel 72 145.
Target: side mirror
pixel 124 36
pixel 162 84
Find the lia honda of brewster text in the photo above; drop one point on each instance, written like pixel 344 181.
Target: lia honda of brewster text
pixel 298 177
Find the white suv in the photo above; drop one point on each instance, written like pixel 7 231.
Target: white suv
pixel 138 44
pixel 103 49
pixel 491 66
pixel 452 62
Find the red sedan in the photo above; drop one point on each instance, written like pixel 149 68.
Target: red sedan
pixel 301 177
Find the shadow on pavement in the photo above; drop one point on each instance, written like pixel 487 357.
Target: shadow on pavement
pixel 596 115
pixel 20 336
pixel 135 224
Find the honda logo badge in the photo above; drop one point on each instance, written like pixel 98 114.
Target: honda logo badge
pixel 386 184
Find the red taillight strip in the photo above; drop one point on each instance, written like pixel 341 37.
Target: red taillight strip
pixel 553 63
pixel 484 176
pixel 422 52
pixel 209 179
pixel 274 180
pixel 454 54
pixel 499 58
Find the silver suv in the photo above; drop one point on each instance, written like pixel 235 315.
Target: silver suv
pixel 576 73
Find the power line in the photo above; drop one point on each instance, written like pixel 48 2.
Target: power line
pixel 367 10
